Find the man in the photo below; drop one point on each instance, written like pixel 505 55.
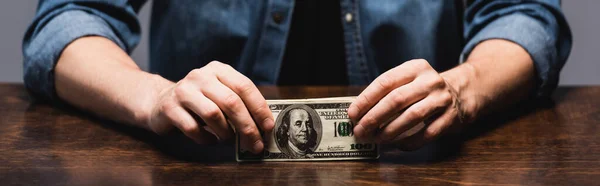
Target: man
pixel 75 52
pixel 300 134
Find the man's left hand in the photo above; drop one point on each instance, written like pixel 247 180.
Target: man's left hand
pixel 400 99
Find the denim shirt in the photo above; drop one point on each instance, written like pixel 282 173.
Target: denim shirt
pixel 250 35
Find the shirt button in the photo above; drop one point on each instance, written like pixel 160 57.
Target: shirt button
pixel 277 17
pixel 348 17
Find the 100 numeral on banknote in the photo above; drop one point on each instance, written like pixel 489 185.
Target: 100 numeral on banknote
pixel 311 130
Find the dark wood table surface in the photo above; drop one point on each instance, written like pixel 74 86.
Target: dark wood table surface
pixel 545 142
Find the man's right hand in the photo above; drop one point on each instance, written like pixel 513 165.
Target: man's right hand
pixel 95 75
pixel 218 95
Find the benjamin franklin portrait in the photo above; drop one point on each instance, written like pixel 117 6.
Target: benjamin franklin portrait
pixel 298 131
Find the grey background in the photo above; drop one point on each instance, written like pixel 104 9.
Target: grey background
pixel 581 68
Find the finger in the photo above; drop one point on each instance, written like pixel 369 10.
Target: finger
pixel 382 85
pixel 182 119
pixel 208 111
pixel 389 106
pixel 415 114
pixel 432 132
pixel 233 107
pixel 250 95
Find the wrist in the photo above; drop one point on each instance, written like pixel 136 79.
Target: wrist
pixel 155 86
pixel 460 79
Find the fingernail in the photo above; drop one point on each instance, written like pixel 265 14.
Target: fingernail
pixel 258 147
pixel 269 123
pixel 359 131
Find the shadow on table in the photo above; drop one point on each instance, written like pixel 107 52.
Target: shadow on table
pixel 448 147
pixel 70 120
pixel 179 146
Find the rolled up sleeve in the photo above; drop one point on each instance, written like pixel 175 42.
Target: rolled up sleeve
pixel 537 26
pixel 57 25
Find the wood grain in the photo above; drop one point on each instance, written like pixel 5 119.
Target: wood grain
pixel 544 142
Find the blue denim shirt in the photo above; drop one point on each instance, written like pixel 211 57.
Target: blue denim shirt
pixel 250 35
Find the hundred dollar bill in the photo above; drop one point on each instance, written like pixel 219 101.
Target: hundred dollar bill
pixel 311 130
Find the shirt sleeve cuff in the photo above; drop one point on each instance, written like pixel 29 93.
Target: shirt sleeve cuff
pixel 529 34
pixel 41 53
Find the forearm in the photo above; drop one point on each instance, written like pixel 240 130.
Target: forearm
pixel 96 75
pixel 498 73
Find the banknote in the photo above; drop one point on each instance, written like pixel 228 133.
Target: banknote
pixel 311 130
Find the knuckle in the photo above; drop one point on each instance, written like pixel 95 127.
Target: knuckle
pixel 398 98
pixel 196 72
pixel 244 87
pixel 415 113
pixel 384 81
pixel 446 98
pixel 438 81
pixel 218 66
pixel 232 101
pixel 213 66
pixel 212 114
pixel 249 131
pixel 180 91
pixel 225 65
pixel 433 81
pixel 431 133
pixel 369 121
pixel 419 64
pixel 214 63
pixel 190 129
pixel 422 63
pixel 262 109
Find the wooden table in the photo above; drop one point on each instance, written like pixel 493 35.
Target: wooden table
pixel 550 142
